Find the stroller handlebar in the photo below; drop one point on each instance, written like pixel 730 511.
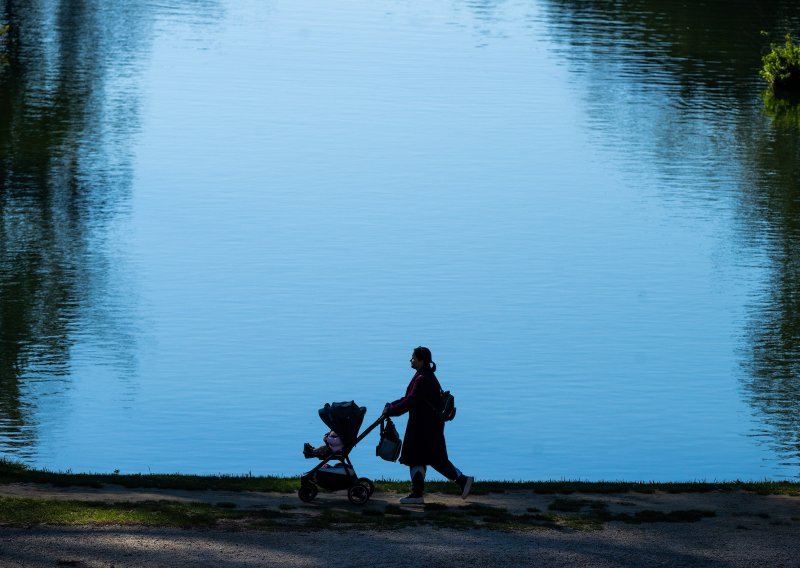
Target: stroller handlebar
pixel 370 428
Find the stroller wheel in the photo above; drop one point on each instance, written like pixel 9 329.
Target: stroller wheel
pixel 368 483
pixel 307 492
pixel 358 493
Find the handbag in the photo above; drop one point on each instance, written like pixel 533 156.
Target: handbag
pixel 390 443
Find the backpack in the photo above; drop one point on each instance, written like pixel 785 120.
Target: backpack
pixel 445 407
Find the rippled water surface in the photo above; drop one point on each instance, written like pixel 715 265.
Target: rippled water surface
pixel 216 216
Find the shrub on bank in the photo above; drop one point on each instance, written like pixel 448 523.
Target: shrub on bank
pixel 781 68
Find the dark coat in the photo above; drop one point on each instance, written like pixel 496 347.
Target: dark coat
pixel 423 443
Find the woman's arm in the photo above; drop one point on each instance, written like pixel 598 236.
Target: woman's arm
pixel 409 401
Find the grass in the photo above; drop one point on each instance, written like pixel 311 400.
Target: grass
pixel 569 505
pixel 598 511
pixel 567 487
pixel 14 472
pixel 562 512
pixel 16 511
pixel 25 512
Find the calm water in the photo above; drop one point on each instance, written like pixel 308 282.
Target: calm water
pixel 216 216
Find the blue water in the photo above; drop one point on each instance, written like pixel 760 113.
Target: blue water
pixel 253 208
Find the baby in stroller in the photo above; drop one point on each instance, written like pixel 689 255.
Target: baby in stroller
pixel 333 444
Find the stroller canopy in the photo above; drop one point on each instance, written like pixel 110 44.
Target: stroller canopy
pixel 344 418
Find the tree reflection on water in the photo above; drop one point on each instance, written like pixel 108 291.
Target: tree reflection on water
pixel 64 175
pixel 704 59
pixel 774 383
pixel 69 107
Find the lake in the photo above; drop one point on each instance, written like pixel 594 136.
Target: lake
pixel 217 216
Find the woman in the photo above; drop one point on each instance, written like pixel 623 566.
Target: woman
pixel 423 443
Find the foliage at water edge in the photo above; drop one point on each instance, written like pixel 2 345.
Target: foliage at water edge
pixel 781 66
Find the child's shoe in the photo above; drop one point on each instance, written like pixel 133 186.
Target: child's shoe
pixel 308 451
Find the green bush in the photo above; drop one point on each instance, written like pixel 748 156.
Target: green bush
pixel 782 66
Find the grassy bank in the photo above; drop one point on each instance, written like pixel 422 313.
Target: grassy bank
pixel 13 472
pixel 560 514
pixel 19 512
pixel 559 509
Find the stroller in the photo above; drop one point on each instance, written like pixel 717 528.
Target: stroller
pixel 345 419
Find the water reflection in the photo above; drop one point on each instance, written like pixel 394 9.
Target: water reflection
pixel 670 91
pixel 691 105
pixel 67 110
pixel 774 384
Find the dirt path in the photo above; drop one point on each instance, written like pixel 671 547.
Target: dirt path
pixel 746 530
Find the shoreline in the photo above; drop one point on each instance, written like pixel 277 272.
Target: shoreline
pixel 15 472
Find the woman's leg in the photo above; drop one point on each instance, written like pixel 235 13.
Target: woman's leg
pixel 452 473
pixel 447 469
pixel 417 485
pixel 418 479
